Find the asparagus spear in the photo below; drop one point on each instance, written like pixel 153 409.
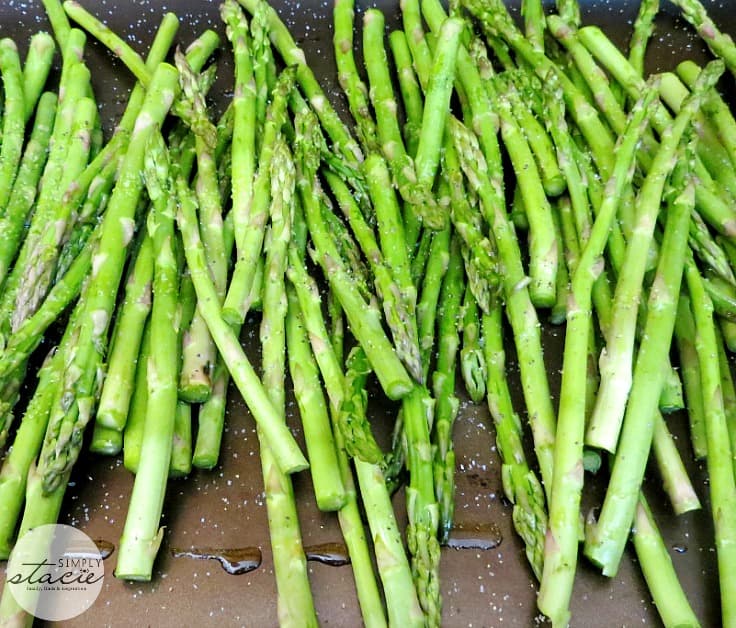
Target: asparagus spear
pixel 142 535
pixel 605 541
pixel 28 441
pixel 543 254
pixel 478 251
pixel 436 105
pixel 364 320
pixel 520 310
pixel 443 387
pixel 561 543
pixel 30 334
pixel 534 24
pixel 398 307
pixel 279 438
pixel 520 483
pixel 616 362
pixel 675 480
pixel 112 410
pixel 347 74
pixel 36 280
pixel 690 369
pixel 180 464
pixel 294 56
pixel 110 39
pixel 249 249
pixel 244 148
pixel 264 64
pixel 348 516
pixel 391 231
pixel 714 107
pixel 133 433
pixel 711 203
pixel 418 198
pixel 20 203
pixel 720 43
pixel 659 572
pixel 411 94
pixel 326 478
pixel 36 69
pixel 14 116
pixel 295 604
pixel 720 461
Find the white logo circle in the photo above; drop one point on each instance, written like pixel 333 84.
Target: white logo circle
pixel 55 572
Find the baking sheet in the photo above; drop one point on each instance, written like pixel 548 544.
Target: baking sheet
pixel 225 508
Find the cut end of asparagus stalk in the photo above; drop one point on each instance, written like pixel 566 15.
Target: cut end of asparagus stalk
pixel 136 556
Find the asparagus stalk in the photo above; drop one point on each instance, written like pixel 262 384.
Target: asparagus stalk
pixel 714 107
pixel 606 539
pixel 75 82
pixel 133 432
pixel 59 22
pixel 264 64
pixel 20 203
pixel 475 73
pixel 249 249
pixel 642 33
pixel 180 464
pixel 675 480
pixel 142 536
pixel 418 198
pixel 497 22
pixel 690 369
pixel 520 311
pixel 348 516
pixel 36 69
pixel 398 307
pixel 520 483
pixel 295 604
pixel 110 39
pixel 112 410
pixel 347 74
pixel 211 413
pixel 711 203
pixel 720 461
pixel 659 572
pixel 364 320
pixel 326 477
pixel 244 116
pixel 436 105
pixel 439 256
pixel 534 24
pixel 294 56
pixel 616 361
pixel 720 43
pixel 36 280
pixel 27 443
pixel 411 93
pixel 30 334
pixel 14 117
pixel 278 436
pixel 443 387
pixel 561 542
pixel 543 254
pixel 478 251
pixel 391 231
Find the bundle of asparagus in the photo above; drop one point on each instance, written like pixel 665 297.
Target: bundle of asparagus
pixel 412 237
